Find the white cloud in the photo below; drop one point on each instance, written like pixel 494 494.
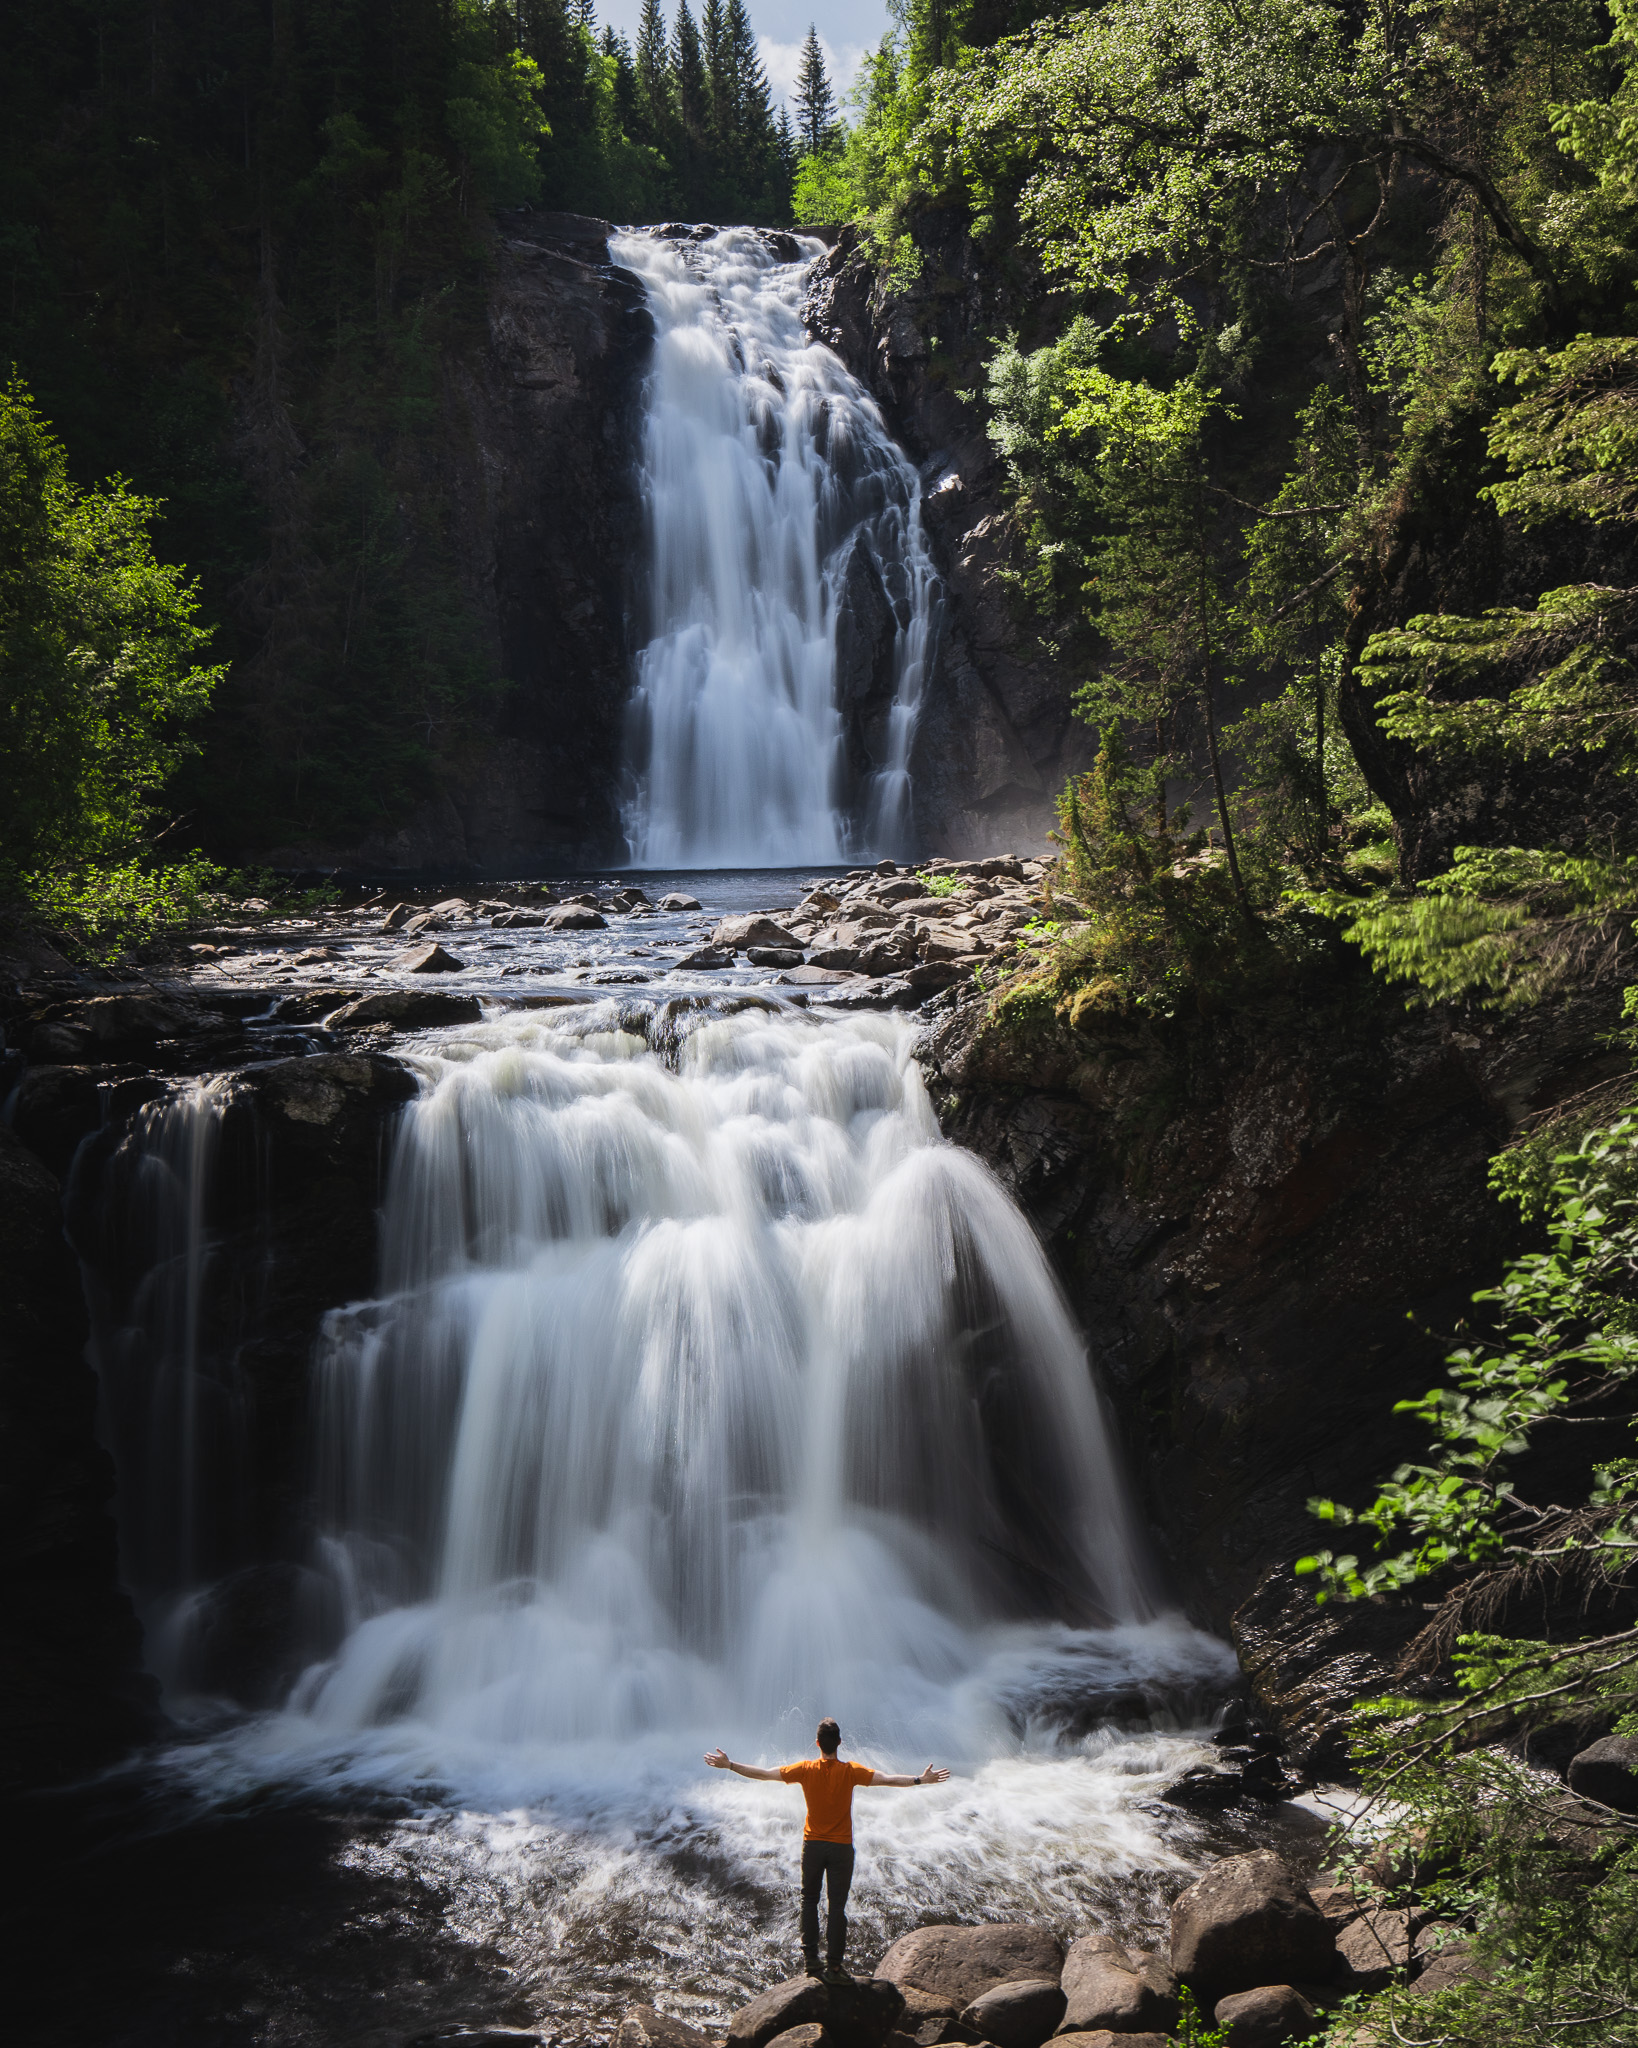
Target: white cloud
pixel 782 61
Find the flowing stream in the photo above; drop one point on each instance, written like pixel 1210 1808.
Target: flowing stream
pixel 775 495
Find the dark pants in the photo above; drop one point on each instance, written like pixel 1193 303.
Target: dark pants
pixel 832 1861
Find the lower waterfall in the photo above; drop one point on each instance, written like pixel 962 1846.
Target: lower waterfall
pixel 706 1390
pixel 782 519
pixel 722 1395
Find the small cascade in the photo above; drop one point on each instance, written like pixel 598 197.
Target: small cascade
pixel 173 1408
pixel 704 1389
pixel 792 602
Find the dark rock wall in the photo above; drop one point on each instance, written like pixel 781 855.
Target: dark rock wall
pixel 538 451
pixel 72 1692
pixel 1260 1218
pixel 996 740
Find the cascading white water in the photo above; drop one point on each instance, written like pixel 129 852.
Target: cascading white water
pixel 765 466
pixel 701 1397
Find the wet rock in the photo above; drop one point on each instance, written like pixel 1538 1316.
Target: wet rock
pixel 891 993
pixel 55 1107
pixel 452 906
pixel 817 977
pixel 412 1009
pixel 73 1695
pixel 704 958
pixel 61 1044
pixel 642 2027
pixel 324 1091
pixel 1249 1921
pixel 418 926
pixel 313 1005
pixel 1019 2013
pixel 812 2035
pixel 842 959
pixel 774 956
pixel 1266 2016
pixel 1607 1771
pixel 249 1637
pixel 963 1962
pixel 677 901
pixel 1105 1985
pixel 742 932
pixel 860 2013
pixel 575 917
pixel 431 960
pixel 517 920
pixel 399 916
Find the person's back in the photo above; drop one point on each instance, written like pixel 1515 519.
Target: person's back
pixel 827 1836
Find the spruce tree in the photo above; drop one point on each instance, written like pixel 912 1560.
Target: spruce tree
pixel 654 96
pixel 721 79
pixel 692 97
pixel 814 100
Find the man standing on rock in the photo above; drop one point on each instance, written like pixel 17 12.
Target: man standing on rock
pixel 827 1839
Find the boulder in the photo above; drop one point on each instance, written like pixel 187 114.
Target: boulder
pixel 1377 1946
pixel 642 2027
pixel 931 2021
pixel 774 956
pixel 1608 1772
pixel 677 901
pixel 1107 1986
pixel 518 920
pixel 839 959
pixel 811 2035
pixel 860 2013
pixel 426 921
pixel 741 932
pixel 1019 2013
pixel 399 916
pixel 431 960
pixel 962 1962
pixel 575 917
pixel 1249 1921
pixel 1103 2038
pixel 1338 1902
pixel 1455 1964
pixel 1265 2017
pixel 411 1008
pixel 704 957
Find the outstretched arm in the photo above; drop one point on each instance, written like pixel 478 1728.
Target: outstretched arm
pixel 930 1776
pixel 719 1761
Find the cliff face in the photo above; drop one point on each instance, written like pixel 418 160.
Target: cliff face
pixel 1268 1222
pixel 996 740
pixel 534 451
pixel 72 1692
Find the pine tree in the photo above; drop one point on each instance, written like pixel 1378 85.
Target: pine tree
pixel 787 146
pixel 815 102
pixel 584 14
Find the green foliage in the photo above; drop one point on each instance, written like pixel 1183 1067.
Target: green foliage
pixel 1570 442
pixel 1564 1341
pixel 105 912
pixel 1545 1882
pixel 941 885
pixel 823 192
pixel 1502 927
pixel 494 120
pixel 97 649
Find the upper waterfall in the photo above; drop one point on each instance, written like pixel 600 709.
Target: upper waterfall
pixel 790 594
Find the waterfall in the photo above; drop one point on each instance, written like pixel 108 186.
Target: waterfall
pixel 783 521
pixel 708 1385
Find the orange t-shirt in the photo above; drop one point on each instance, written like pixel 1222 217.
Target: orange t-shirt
pixel 827 1785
